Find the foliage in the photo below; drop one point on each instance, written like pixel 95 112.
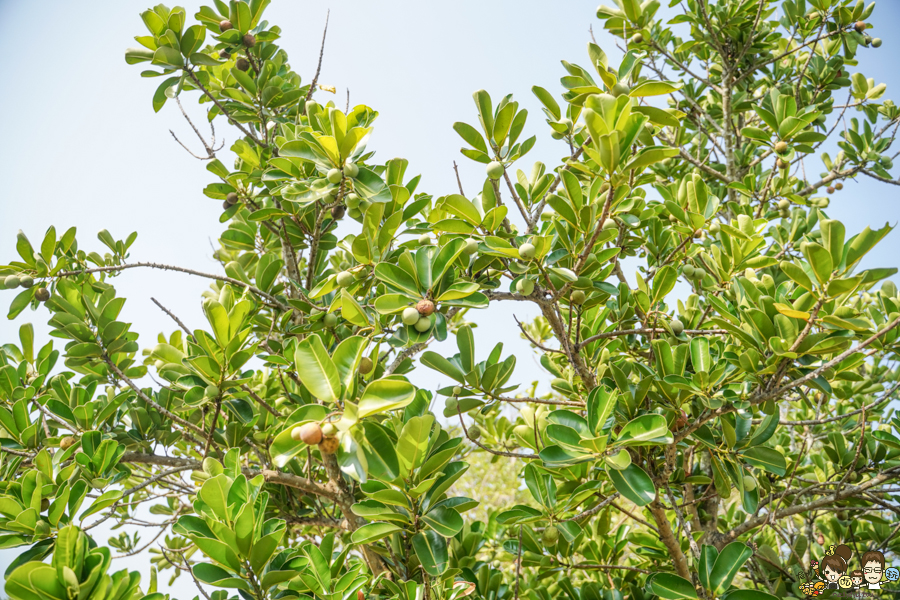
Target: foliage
pixel 703 447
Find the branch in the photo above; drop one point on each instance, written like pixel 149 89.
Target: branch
pixel 312 86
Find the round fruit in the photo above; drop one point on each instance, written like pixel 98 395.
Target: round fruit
pixel 452 405
pixel 409 316
pixel 231 198
pixel 42 294
pixel 212 391
pixel 329 445
pixel 352 200
pixel 876 43
pixel 350 170
pixel 610 224
pixel 345 279
pixel 567 122
pixel 495 170
pixel 11 282
pixel 839 186
pixel 637 39
pixel 781 147
pixel 310 434
pixel 782 164
pixel 715 227
pixel 619 89
pixel 425 307
pixel 677 326
pixel 424 240
pixel 338 212
pixel 474 432
pixel 457 390
pixel 296 434
pixel 824 202
pixel 829 189
pixel 749 483
pixel 471 247
pixel 365 365
pixel 329 429
pixel 423 324
pixel 26 281
pixel 854 477
pixel 45 504
pixel 334 176
pixel 225 25
pixel 688 271
pixel 527 251
pixel 249 40
pixel 330 320
pixel 525 287
pixel 67 442
pixel 784 204
pixel 860 26
pixel 577 297
pixel 224 54
pixel 550 536
pixel 242 64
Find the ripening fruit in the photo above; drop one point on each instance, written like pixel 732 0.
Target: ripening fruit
pixel 525 287
pixel 11 282
pixel 829 189
pixel 249 40
pixel 67 442
pixel 212 391
pixel 350 170
pixel 26 281
pixel 495 170
pixel 782 164
pixel 457 390
pixel 42 294
pixel 781 147
pixel 620 89
pixel 527 251
pixel 310 434
pixel 576 297
pixel 471 247
pixel 474 432
pixel 637 39
pixel 550 536
pixel 860 26
pixel 839 186
pixel 329 445
pixel 338 212
pixel 409 316
pixel 330 320
pixel 677 326
pixel 425 307
pixel 224 54
pixel 329 429
pixel 876 43
pixel 345 279
pixel 365 365
pixel 231 198
pixel 424 240
pixel 610 224
pixel 784 204
pixel 242 64
pixel 334 176
pixel 423 324
pixel 225 25
pixel 749 483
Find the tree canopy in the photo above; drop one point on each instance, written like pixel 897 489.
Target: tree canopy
pixel 708 446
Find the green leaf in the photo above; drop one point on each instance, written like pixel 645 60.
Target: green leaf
pixel 729 562
pixel 766 458
pixel 373 532
pixel 672 587
pixel 634 484
pixel 431 550
pixel 471 136
pixel 654 88
pixel 168 57
pixel 645 430
pixel 316 369
pixel 383 395
pixel 649 156
pixel 445 521
pixel 820 260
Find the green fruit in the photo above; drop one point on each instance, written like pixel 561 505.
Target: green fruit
pixel 876 43
pixel 620 89
pixel 410 316
pixel 26 281
pixel 423 324
pixel 365 365
pixel 781 147
pixel 567 122
pixel 355 213
pixel 329 429
pixel 637 39
pixel 495 170
pixel 345 279
pixel 527 251
pixel 11 282
pixel 474 432
pixel 350 170
pixel 550 536
pixel 688 271
pixel 577 297
pixel 782 164
pixel 457 390
pixel 610 224
pixel 212 391
pixel 334 176
pixel 471 247
pixel 42 294
pixel 330 320
pixel 351 200
pixel 451 405
pixel 677 326
pixel 525 287
pixel 424 240
pixel 715 227
pixel 749 483
pixel 784 204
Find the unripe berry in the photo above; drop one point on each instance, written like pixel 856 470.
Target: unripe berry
pixel 495 170
pixel 677 326
pixel 577 297
pixel 527 251
pixel 471 247
pixel 781 147
pixel 409 316
pixel 334 176
pixel 365 365
pixel 423 324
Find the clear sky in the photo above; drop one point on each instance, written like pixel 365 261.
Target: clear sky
pixel 81 144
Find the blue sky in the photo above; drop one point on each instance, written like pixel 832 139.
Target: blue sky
pixel 82 146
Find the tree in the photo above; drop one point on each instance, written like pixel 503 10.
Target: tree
pixel 709 447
